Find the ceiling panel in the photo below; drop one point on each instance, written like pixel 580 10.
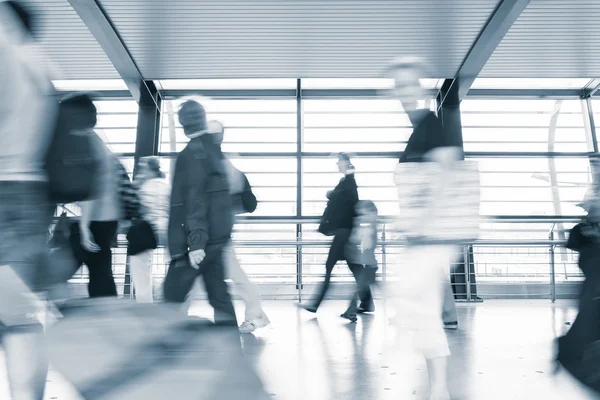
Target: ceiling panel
pixel 192 39
pixel 67 43
pixel 550 39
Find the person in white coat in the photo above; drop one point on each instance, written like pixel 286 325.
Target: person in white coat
pixel 154 192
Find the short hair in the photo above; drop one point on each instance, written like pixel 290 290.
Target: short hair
pixel 153 164
pixel 79 110
pixel 22 14
pixel 367 205
pixel 343 157
pixel 192 113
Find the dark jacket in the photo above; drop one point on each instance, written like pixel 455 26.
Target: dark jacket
pixel 341 203
pixel 201 210
pixel 428 134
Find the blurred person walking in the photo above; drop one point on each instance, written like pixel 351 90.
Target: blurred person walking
pixel 28 114
pixel 92 238
pixel 420 286
pixel 338 221
pixel 150 230
pixel 201 217
pixel 243 201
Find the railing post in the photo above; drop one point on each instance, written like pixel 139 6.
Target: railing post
pixel 467 272
pixel 299 281
pixel 552 269
pixel 383 255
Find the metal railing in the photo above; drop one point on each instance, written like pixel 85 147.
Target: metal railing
pixel 488 267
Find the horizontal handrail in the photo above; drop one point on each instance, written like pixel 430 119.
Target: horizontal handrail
pixel 391 219
pixel 390 243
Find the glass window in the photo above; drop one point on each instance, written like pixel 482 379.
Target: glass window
pixel 89 85
pixel 530 83
pixel 353 125
pixel 251 125
pixel 117 124
pixel 523 125
pixel 361 83
pixel 227 84
pixel 374 177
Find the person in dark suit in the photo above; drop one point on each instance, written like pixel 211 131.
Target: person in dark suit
pixel 340 214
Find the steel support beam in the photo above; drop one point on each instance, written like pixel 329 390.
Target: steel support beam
pixel 148 124
pixel 95 18
pixel 502 19
pixel 591 88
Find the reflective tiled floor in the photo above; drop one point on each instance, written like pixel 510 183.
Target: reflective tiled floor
pixel 502 350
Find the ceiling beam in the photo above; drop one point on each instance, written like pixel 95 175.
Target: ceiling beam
pixel 493 32
pixel 591 88
pixel 95 18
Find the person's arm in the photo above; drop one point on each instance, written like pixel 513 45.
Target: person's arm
pixel 249 199
pixel 176 236
pixel 197 211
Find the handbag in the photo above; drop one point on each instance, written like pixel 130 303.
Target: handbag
pixel 326 226
pixel 438 204
pixel 140 237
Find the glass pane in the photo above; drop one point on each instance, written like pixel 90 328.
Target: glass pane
pixel 361 83
pixel 88 84
pixel 251 125
pixel 530 83
pixel 117 124
pixel 233 84
pixel 523 125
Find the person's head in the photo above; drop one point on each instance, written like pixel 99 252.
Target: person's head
pixel 149 168
pixel 366 208
pixel 216 129
pixel 192 117
pixel 17 18
pixel 343 163
pixel 406 73
pixel 79 111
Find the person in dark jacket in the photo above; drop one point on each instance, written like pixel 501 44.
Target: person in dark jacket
pixel 341 213
pixel 201 217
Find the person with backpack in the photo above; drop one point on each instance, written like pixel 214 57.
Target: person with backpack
pixel 200 219
pixel 338 221
pixel 92 238
pixel 28 113
pixel 243 201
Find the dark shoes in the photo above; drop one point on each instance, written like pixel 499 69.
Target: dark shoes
pixel 451 325
pixel 349 317
pixel 311 309
pixel 365 309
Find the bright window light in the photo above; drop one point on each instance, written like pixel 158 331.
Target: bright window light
pixel 88 85
pixel 226 84
pixel 529 83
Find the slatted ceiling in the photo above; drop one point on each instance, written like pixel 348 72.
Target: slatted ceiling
pixel 550 39
pixel 68 43
pixel 187 39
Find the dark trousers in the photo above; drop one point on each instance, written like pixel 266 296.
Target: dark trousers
pixel 181 277
pixel 102 282
pixel 365 276
pixel 336 253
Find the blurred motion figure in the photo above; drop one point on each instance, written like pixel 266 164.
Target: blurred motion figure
pixel 27 113
pixel 419 290
pixel 201 217
pixel 243 201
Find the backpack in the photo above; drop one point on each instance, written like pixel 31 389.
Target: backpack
pixel 72 162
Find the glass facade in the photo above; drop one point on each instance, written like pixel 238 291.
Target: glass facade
pixel 532 155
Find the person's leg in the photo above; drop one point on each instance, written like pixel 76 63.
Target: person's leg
pixel 179 280
pixel 141 275
pixel 255 316
pixel 449 314
pixel 364 290
pixel 336 252
pixel 213 274
pixel 419 296
pixel 102 282
pixel 24 222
